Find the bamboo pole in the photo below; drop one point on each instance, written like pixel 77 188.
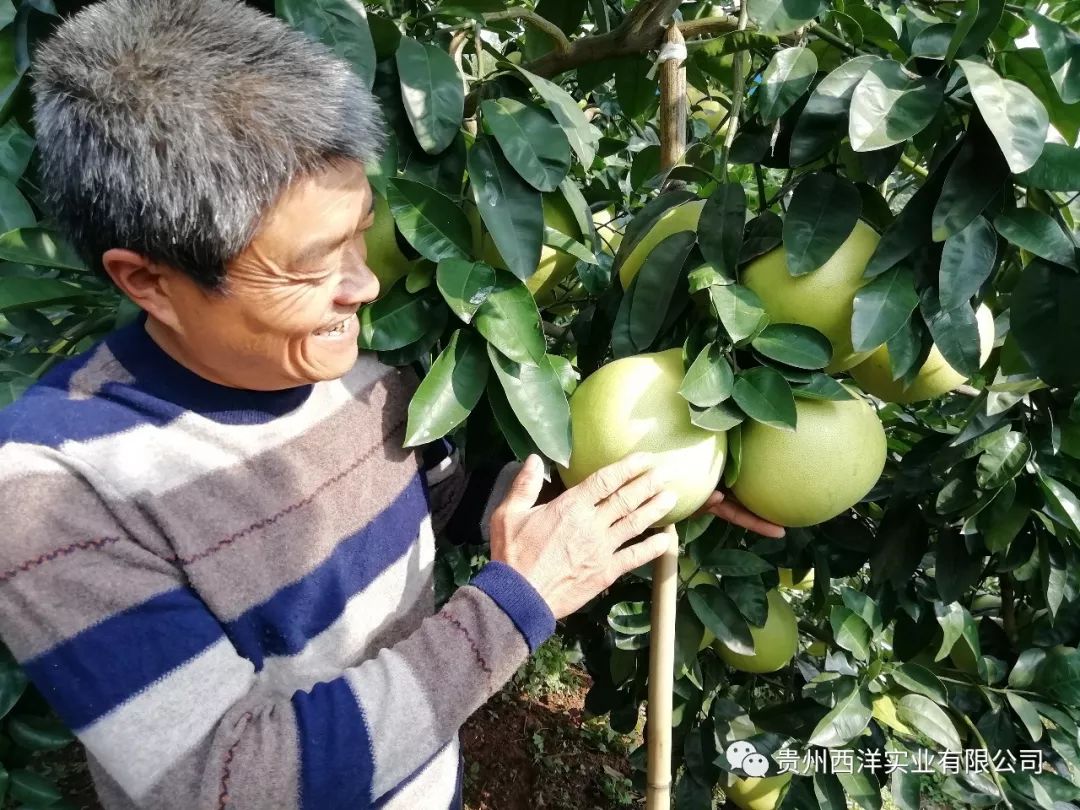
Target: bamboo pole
pixel 665 568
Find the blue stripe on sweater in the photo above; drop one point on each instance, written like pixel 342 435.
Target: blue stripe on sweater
pixel 336 757
pixel 291 617
pixel 95 671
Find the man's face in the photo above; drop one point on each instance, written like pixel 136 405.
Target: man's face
pixel 287 314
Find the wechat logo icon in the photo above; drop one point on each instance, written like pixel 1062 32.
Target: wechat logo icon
pixel 742 754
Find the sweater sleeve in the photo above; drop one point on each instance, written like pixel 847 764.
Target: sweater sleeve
pixel 131 658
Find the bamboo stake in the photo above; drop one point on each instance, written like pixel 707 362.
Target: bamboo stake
pixel 665 568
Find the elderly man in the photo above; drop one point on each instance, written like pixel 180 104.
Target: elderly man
pixel 217 557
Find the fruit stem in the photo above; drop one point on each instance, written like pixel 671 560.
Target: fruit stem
pixel 737 91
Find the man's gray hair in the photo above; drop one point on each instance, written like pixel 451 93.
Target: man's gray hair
pixel 169 127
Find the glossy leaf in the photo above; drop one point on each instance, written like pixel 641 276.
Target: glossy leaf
pixel 450 390
pixel 794 344
pixel 644 306
pixel 40 247
pixel 536 396
pixel 1013 113
pixel 582 135
pixel 782 16
pixel 1037 233
pixel 509 320
pixel 33 789
pixel 920 680
pixel 925 716
pixel 847 719
pixel 630 618
pixel 822 386
pixel 955 332
pixel 511 209
pixel 881 308
pixel 975 177
pixel 1061 47
pixel 1062 504
pixel 720 227
pixel 850 632
pixel 889 106
pixel 1057 169
pixel 824 120
pixel 16 148
pixel 30 293
pixel 38 733
pixel 1002 460
pixel 765 396
pixel 13 683
pixel 432 93
pixel 532 142
pixel 719 614
pixel 635 88
pixel 1044 322
pixel 966 263
pixel 464 285
pixel 429 220
pixel 718 418
pixel 822 215
pixel 396 319
pixel 515 434
pixel 733 562
pixel 340 24
pixel 709 379
pixel 787 77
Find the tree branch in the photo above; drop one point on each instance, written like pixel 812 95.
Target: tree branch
pixel 562 44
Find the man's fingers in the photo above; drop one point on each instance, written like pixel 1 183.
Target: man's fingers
pixel 607 480
pixel 527 485
pixel 630 496
pixel 645 550
pixel 739 515
pixel 650 512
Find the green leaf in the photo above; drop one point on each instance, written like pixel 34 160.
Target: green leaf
pixel 861 788
pixel 450 390
pixel 1003 460
pixel 918 679
pixel 1044 322
pixel 521 444
pixel 634 87
pixel 983 27
pixel 464 285
pixel 786 78
pixel 16 147
pixel 339 24
pixel 824 120
pixel 975 177
pixel 38 733
pixel 765 396
pixel 537 399
pixel 432 93
pixel 31 293
pixel 890 106
pixel 926 717
pixel 794 344
pixel 629 618
pixel 532 141
pixel 750 597
pixel 1061 503
pixel 13 684
pixel 509 320
pixel 582 135
pixel 933 41
pixel 955 332
pixel 910 231
pixel 511 209
pixel 1061 47
pixel 709 379
pixel 822 386
pixel 882 307
pixel 645 305
pixel 35 790
pixel 397 319
pixel 719 614
pixel 957 627
pixel 39 247
pixel 865 607
pixel 1027 713
pixel 429 220
pixel 822 215
pixel 718 418
pixel 1037 233
pixel 1013 113
pixel 15 211
pixel 966 263
pixel 782 16
pixel 1057 169
pixel 850 632
pixel 739 309
pixel 733 562
pixel 720 227
pixel 1059 676
pixel 846 720
pixel 965 21
pixel 564 244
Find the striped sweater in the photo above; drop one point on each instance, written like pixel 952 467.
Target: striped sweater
pixel 228 595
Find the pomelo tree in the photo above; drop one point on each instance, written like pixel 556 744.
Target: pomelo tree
pixel 856 181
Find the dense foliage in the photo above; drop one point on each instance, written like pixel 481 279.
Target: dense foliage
pixel 945 608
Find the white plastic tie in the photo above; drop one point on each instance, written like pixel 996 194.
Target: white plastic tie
pixel 670 51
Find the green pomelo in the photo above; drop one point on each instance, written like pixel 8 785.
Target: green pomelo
pixel 935 378
pixel 384 257
pixel 632 405
pixel 824 298
pixel 822 468
pixel 774 644
pixel 754 793
pixel 683 217
pixel 787 580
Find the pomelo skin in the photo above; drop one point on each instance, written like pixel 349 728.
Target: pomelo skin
pixel 825 466
pixel 384 257
pixel 824 298
pixel 787 580
pixel 682 217
pixel 753 793
pixel 935 378
pixel 633 405
pixel 774 644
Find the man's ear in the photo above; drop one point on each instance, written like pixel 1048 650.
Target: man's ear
pixel 148 284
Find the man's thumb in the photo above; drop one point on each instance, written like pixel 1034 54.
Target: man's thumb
pixel 527 484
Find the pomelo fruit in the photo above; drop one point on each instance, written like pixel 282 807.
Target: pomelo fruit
pixel 633 404
pixel 384 257
pixel 774 644
pixel 708 109
pixel 554 265
pixel 610 236
pixel 804 583
pixel 824 298
pixel 682 217
pixel 757 793
pixel 935 378
pixel 825 466
pixel 689 576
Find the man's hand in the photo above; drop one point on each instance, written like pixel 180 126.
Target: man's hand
pixel 571 549
pixel 727 508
